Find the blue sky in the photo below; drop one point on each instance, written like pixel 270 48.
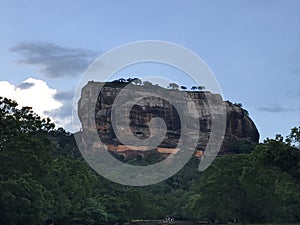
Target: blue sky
pixel 253 48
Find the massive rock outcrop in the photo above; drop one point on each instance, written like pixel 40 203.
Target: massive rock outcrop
pixel 240 129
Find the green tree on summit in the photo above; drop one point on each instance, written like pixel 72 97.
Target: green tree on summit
pixel 173 86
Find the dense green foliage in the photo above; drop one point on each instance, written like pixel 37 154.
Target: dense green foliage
pixel 42 175
pixel 259 187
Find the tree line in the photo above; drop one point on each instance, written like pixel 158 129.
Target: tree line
pixel 42 175
pixel 172 85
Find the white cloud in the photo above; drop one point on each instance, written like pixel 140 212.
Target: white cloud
pixel 37 95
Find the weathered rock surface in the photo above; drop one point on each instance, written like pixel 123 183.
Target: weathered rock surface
pixel 239 126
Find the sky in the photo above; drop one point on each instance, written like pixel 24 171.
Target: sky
pixel 252 47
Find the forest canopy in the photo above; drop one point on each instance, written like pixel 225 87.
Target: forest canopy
pixel 42 175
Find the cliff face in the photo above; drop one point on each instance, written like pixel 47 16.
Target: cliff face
pixel 240 128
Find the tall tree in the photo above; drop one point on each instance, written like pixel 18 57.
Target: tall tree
pixel 24 160
pixel 201 88
pixel 183 87
pixel 173 86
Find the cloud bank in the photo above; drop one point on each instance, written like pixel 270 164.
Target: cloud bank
pixel 54 61
pixel 45 101
pixel 274 109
